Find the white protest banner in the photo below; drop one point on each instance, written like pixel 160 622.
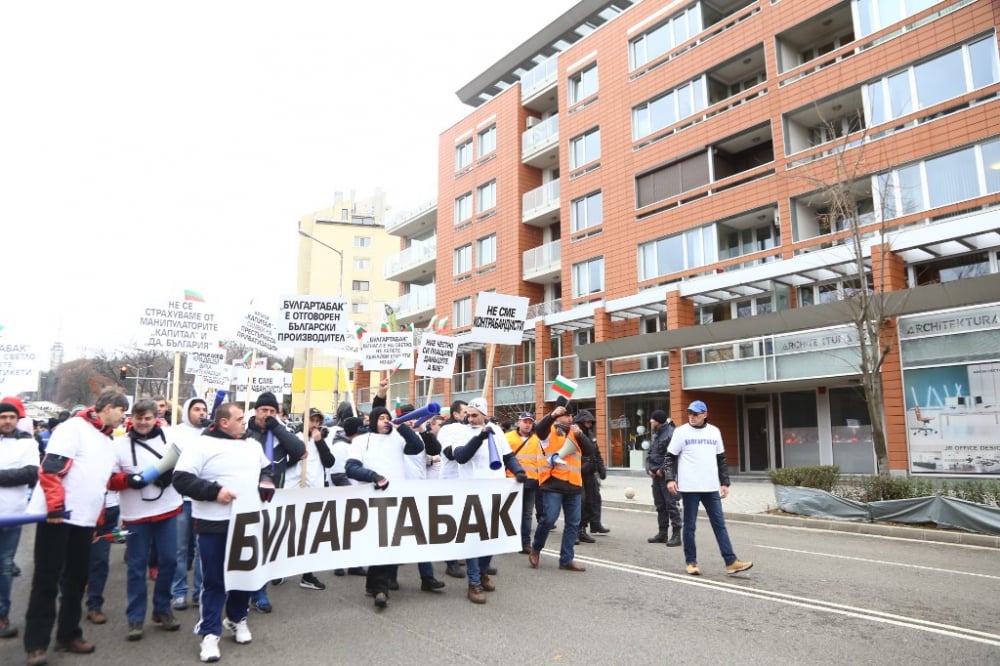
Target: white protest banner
pixel 263 380
pixel 317 529
pixel 180 326
pixel 257 330
pixel 499 318
pixel 387 351
pixel 286 383
pixel 313 321
pixel 219 379
pixel 436 356
pixel 19 366
pixel 196 362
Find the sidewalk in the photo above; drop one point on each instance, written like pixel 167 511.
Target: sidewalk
pixel 751 497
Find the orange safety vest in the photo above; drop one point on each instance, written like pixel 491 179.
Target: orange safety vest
pixel 570 470
pixel 529 454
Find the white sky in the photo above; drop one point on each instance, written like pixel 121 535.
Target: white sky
pixel 147 148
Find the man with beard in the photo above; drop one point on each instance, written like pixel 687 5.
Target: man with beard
pixel 18 473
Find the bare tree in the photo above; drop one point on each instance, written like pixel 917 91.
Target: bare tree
pixel 80 381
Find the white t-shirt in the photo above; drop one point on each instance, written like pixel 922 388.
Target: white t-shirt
pixel 316 472
pixel 151 500
pixel 86 482
pixel 697 448
pixel 459 434
pixel 381 453
pixel 15 454
pixel 232 463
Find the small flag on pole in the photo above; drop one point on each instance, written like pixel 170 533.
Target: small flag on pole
pixel 361 331
pixel 248 357
pixel 384 328
pixel 443 324
pixel 190 295
pixel 564 387
pixel 430 324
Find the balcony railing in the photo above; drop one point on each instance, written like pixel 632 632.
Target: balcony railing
pixel 418 253
pixel 540 136
pixel 540 199
pixel 546 308
pixel 403 218
pixel 539 77
pixel 542 259
pixel 516 374
pixel 417 300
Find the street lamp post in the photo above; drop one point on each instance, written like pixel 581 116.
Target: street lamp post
pixel 340 293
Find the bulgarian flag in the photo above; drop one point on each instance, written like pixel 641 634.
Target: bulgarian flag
pixel 249 356
pixel 360 332
pixel 384 328
pixel 564 387
pixel 191 295
pixel 430 324
pixel 443 324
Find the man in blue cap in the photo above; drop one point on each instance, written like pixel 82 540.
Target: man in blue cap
pixel 696 466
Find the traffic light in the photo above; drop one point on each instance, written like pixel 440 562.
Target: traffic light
pixel 123 372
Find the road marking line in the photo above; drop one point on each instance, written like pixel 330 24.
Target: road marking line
pixel 805 602
pixel 894 564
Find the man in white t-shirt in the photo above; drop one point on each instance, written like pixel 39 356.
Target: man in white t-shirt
pixel 696 466
pixel 72 482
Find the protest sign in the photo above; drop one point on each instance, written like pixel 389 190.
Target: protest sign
pixel 263 380
pixel 387 351
pixel 179 326
pixel 499 318
pixel 318 529
pixel 313 321
pixel 436 356
pixel 19 366
pixel 197 362
pixel 257 330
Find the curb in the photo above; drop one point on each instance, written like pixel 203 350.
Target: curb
pixel 876 529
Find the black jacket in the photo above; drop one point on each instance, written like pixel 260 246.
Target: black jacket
pixel 657 458
pixel 288 449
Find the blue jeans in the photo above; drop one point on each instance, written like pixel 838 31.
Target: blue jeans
pixel 475 566
pixel 99 553
pixel 141 540
pixel 184 537
pixel 426 569
pixel 713 507
pixel 527 508
pixel 214 596
pixel 9 538
pixel 571 506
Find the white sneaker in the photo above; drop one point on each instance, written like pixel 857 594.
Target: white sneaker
pixel 210 648
pixel 241 632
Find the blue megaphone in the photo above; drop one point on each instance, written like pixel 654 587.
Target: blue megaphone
pixel 419 415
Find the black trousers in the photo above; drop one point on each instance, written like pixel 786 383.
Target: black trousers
pixel 62 563
pixel 667 512
pixel 591 513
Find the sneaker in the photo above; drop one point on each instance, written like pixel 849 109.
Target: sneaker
pixel 261 606
pixel 166 621
pixel 241 632
pixel 737 567
pixel 310 582
pixel 210 648
pixel 96 616
pixel 381 600
pixel 180 603
pixel 134 631
pixel 277 581
pixel 692 569
pixel 476 594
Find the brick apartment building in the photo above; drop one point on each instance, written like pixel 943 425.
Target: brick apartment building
pixel 655 177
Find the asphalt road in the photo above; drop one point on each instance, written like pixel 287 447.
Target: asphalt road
pixel 813 597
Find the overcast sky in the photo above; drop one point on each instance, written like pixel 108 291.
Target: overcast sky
pixel 147 148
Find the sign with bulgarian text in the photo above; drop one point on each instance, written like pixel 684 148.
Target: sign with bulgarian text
pixel 179 326
pixel 257 330
pixel 499 319
pixel 197 362
pixel 19 365
pixel 436 356
pixel 313 321
pixel 387 351
pixel 318 529
pixel 262 380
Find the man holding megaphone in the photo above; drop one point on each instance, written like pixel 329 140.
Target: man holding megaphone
pixel 143 471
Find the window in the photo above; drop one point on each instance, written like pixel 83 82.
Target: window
pixel 588 277
pixel 487 141
pixel 946 76
pixel 651 325
pixel 689 249
pixel 463 155
pixel 828 292
pixel 362 241
pixel 361 307
pixel 463 208
pixel 585 148
pixel 486 250
pixel 951 269
pixel 587 212
pixel 668 108
pixel 672 179
pixel 675 30
pixel 873 15
pixel 462 312
pixel 581 338
pixel 583 84
pixel 486 196
pixel 360 285
pixel 463 260
pixel 362 263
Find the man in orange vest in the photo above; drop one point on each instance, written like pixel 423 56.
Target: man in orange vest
pixel 560 484
pixel 524 443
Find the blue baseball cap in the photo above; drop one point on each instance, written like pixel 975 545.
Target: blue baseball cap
pixel 526 416
pixel 698 407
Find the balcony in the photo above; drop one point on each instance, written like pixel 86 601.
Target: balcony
pixel 538 85
pixel 414 264
pixel 540 143
pixel 542 264
pixel 417 305
pixel 540 206
pixel 414 222
pixel 545 308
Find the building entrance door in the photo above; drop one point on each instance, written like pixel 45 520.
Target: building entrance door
pixel 757 438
